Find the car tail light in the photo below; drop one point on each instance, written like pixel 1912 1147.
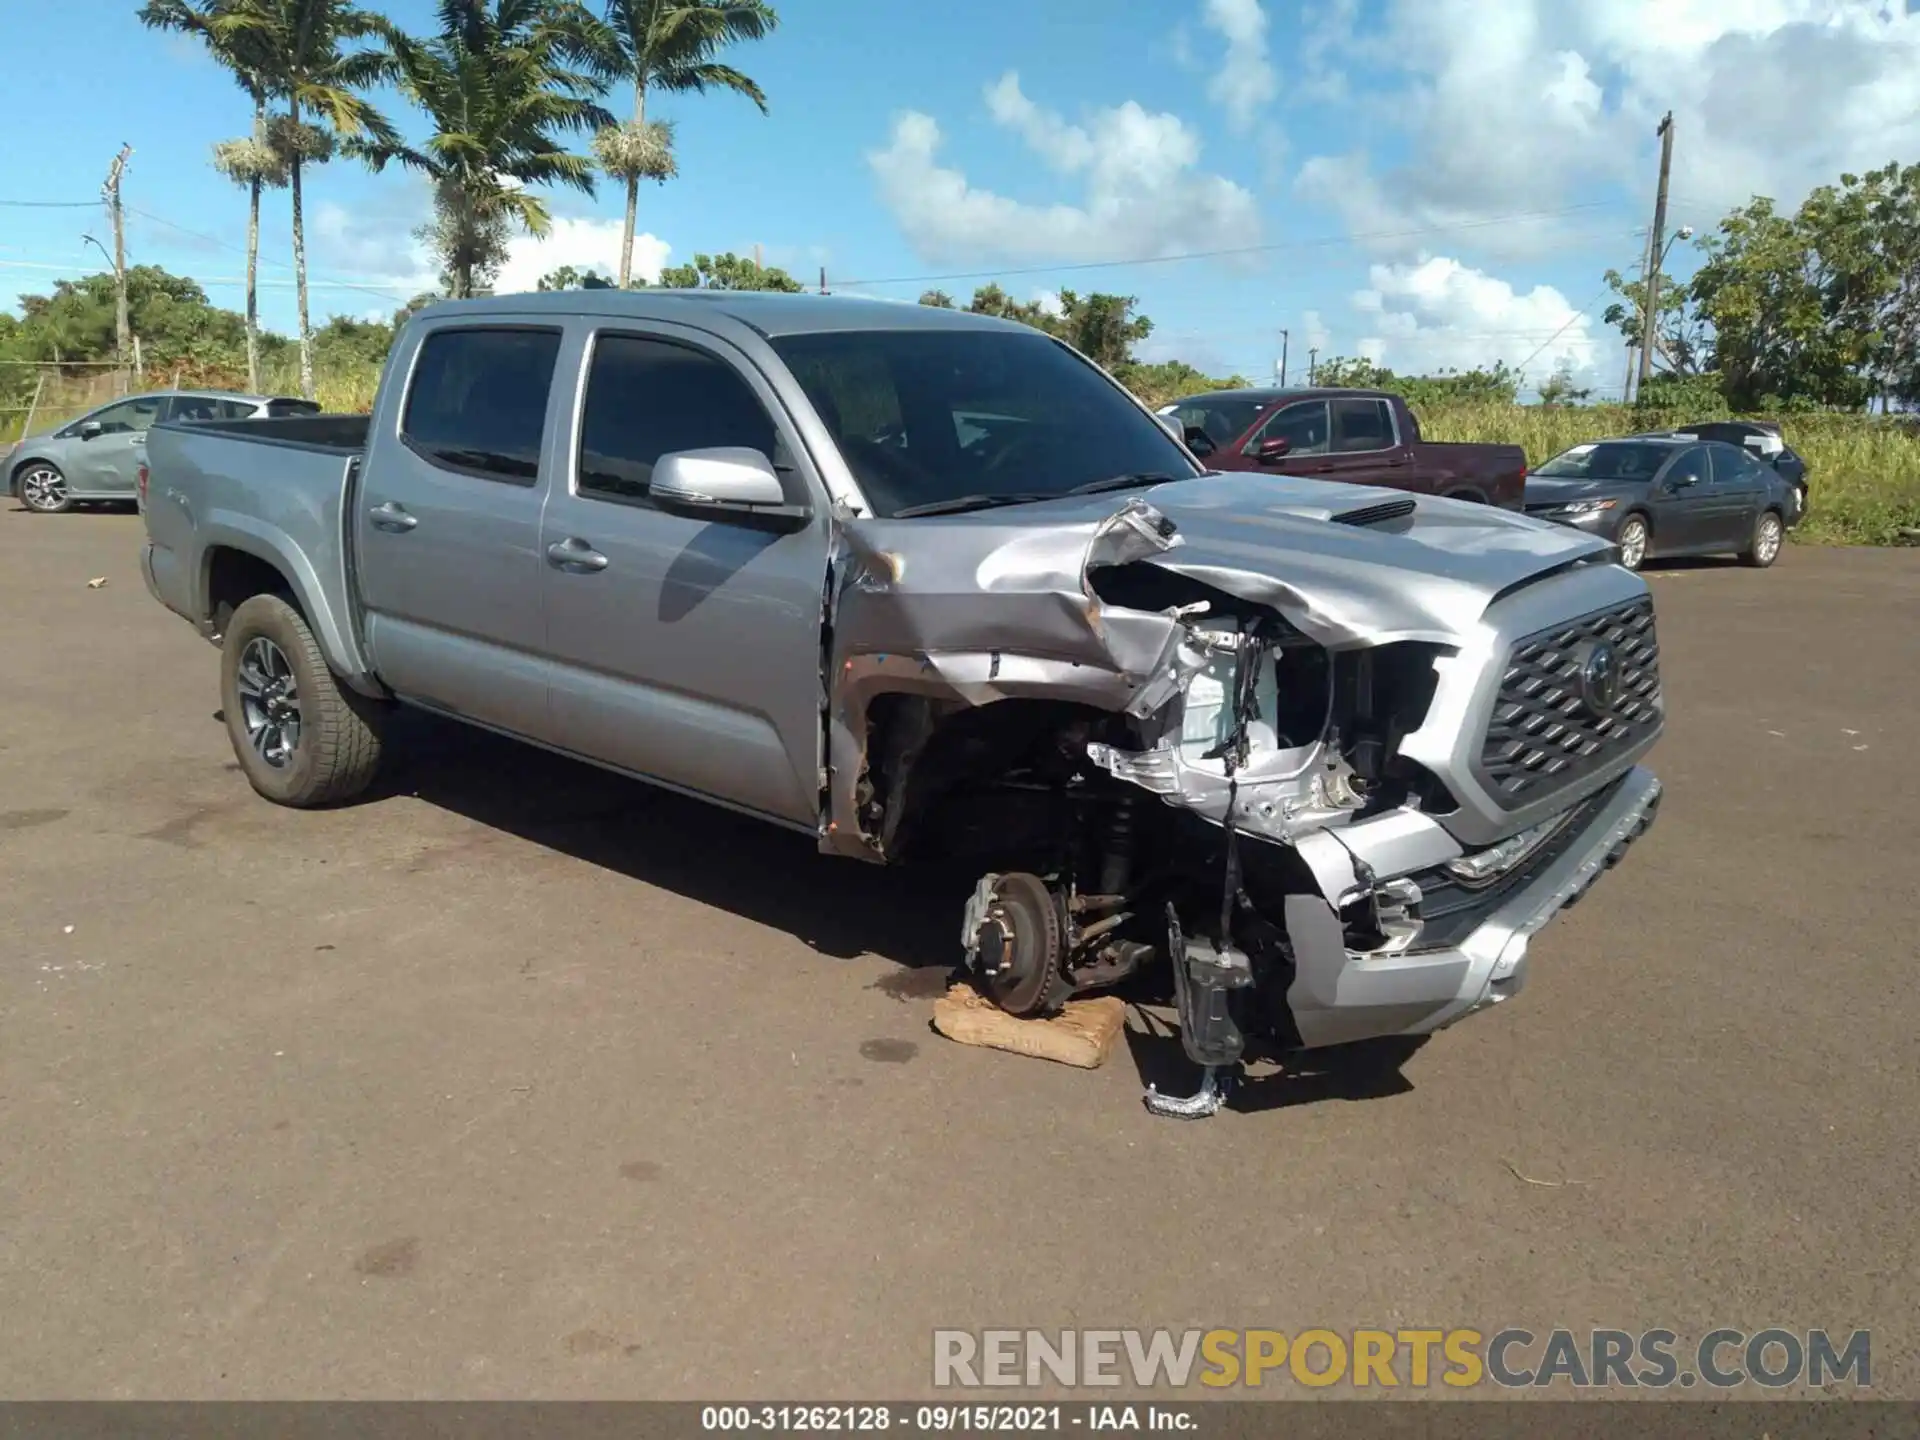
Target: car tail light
pixel 140 477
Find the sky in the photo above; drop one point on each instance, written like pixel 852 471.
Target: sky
pixel 1427 183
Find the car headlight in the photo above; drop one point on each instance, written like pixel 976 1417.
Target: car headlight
pixel 1485 865
pixel 1587 507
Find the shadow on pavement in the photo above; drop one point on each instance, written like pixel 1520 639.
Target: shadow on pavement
pixel 1366 1070
pixel 775 877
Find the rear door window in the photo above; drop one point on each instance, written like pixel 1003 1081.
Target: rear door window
pixel 477 403
pixel 1361 425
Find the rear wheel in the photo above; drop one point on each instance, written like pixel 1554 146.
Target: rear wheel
pixel 43 489
pixel 1764 546
pixel 1632 541
pixel 301 737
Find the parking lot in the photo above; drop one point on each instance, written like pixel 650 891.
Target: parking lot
pixel 524 1080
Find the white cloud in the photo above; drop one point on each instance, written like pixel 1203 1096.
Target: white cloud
pixel 1245 82
pixel 1512 105
pixel 382 251
pixel 585 244
pixel 1144 192
pixel 1436 313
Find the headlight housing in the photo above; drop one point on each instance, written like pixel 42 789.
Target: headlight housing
pixel 1587 507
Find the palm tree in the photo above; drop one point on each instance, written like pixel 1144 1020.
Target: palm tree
pixel 251 162
pixel 500 86
pixel 304 50
pixel 670 45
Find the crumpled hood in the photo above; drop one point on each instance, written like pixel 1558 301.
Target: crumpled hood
pixel 1428 576
pixel 1271 540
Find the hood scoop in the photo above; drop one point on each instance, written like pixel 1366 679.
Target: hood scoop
pixel 1378 514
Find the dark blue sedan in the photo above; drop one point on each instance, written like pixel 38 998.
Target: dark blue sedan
pixel 1660 496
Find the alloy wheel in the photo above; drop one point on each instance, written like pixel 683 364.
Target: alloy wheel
pixel 1633 544
pixel 269 701
pixel 43 488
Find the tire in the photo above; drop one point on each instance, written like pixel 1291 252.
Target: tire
pixel 1769 533
pixel 1633 541
pixel 42 489
pixel 302 739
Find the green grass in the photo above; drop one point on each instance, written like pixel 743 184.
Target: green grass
pixel 1863 471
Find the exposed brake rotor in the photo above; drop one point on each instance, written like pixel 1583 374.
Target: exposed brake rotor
pixel 1016 942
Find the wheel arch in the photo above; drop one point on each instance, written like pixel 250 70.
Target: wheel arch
pixel 17 466
pixel 241 558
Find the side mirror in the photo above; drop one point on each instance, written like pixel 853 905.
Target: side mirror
pixel 1683 482
pixel 1268 451
pixel 724 479
pixel 89 429
pixel 1198 441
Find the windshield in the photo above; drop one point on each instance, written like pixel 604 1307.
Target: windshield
pixel 1608 460
pixel 1221 419
pixel 926 416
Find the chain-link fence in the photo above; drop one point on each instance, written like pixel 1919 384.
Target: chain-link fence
pixel 35 395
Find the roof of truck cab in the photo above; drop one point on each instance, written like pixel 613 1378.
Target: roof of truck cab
pixel 1270 394
pixel 771 313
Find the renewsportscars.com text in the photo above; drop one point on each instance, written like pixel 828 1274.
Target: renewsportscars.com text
pixel 1511 1358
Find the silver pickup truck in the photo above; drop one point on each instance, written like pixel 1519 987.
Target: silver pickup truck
pixel 922 583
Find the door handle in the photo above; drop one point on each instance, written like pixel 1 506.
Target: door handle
pixel 575 554
pixel 392 517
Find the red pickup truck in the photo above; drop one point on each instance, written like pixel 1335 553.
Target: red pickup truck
pixel 1368 437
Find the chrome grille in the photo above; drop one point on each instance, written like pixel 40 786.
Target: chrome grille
pixel 1551 725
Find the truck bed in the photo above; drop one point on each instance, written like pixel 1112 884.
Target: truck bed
pixel 275 490
pixel 1498 472
pixel 344 433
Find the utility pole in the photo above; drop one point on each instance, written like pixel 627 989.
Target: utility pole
pixel 1650 296
pixel 122 327
pixel 1313 364
pixel 823 279
pixel 1283 359
pixel 1626 390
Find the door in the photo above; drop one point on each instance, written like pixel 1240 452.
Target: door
pixel 447 525
pixel 1305 427
pixel 1365 448
pixel 1682 503
pixel 685 648
pixel 104 464
pixel 1736 493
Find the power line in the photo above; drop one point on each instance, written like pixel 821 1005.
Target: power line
pixel 49 204
pixel 1266 249
pixel 370 287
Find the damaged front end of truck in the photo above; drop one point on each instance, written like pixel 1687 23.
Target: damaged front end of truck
pixel 1331 763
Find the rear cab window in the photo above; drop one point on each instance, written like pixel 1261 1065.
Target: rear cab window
pixel 477 400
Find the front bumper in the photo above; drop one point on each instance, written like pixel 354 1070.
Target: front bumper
pixel 1340 995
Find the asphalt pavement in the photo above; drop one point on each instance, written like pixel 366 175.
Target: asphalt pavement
pixel 522 1080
